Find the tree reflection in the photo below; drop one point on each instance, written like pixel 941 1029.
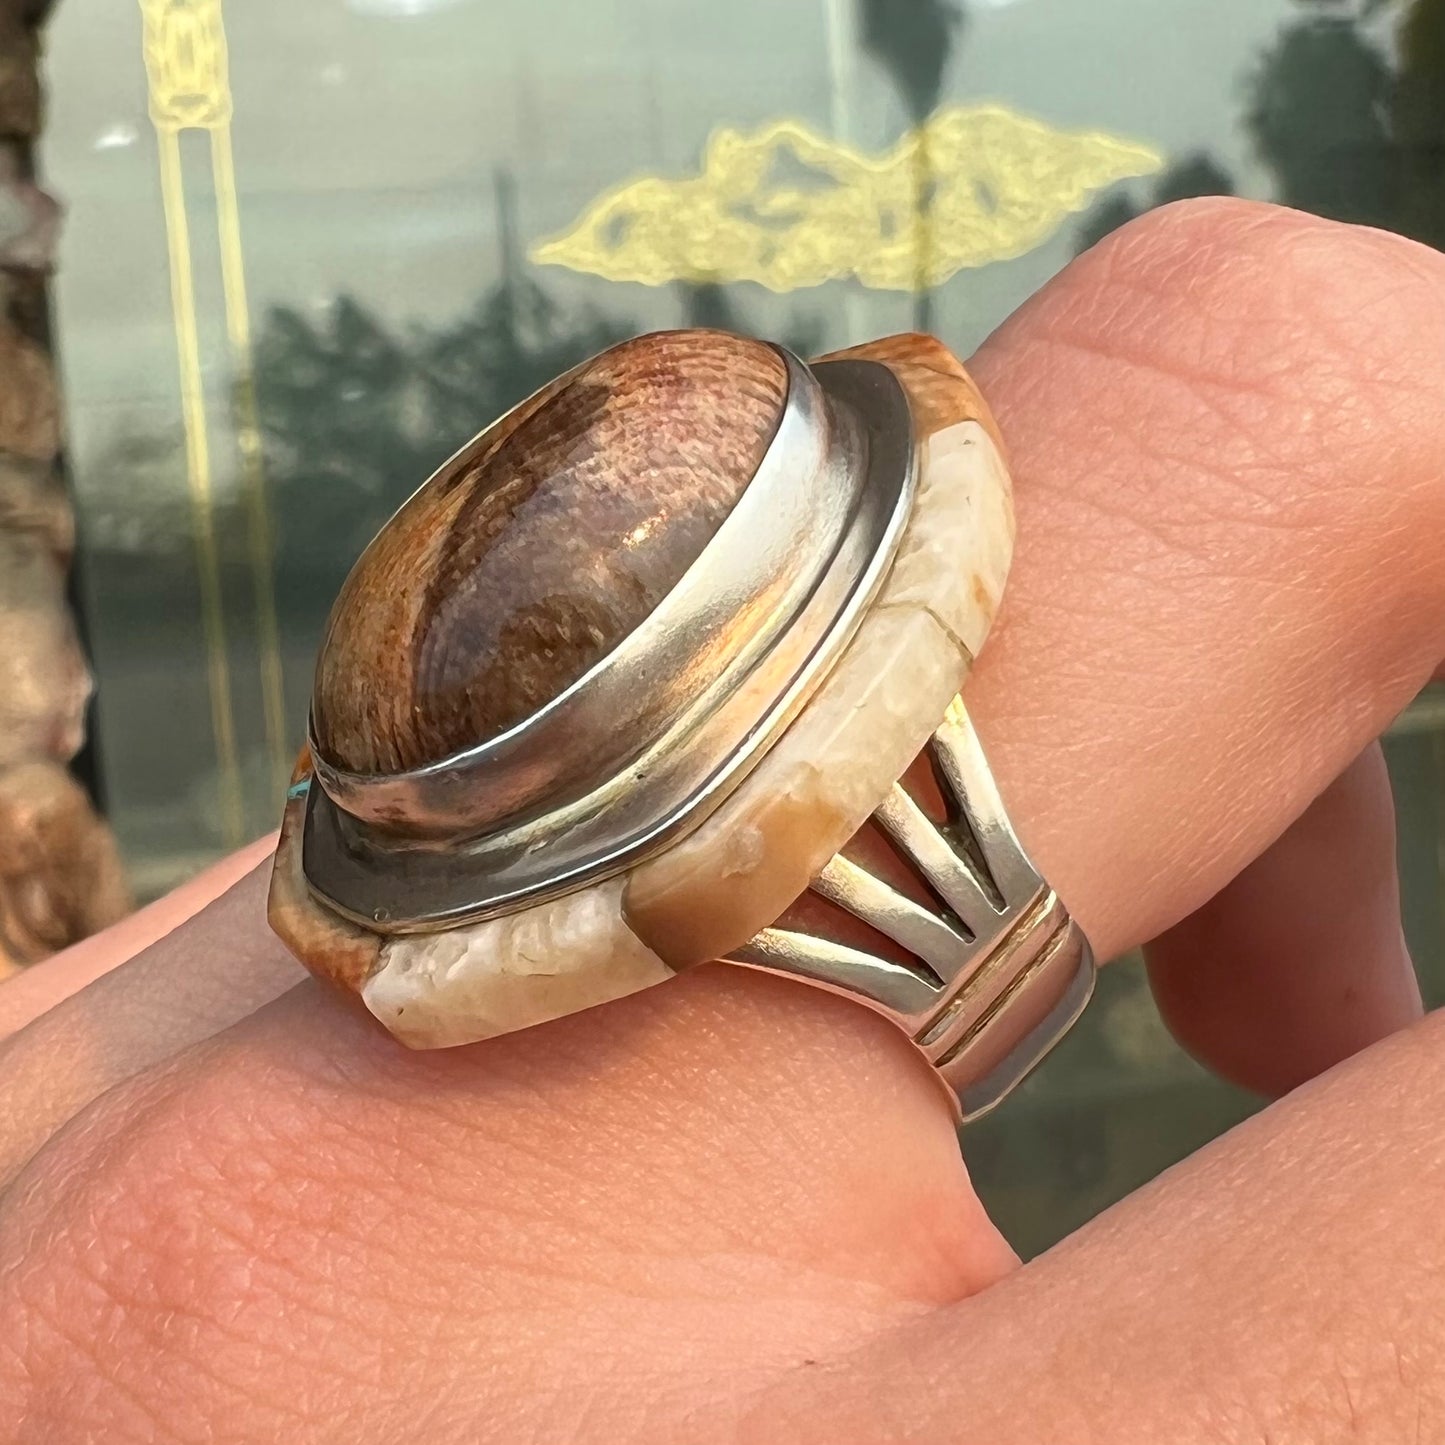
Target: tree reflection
pixel 912 41
pixel 1319 111
pixel 705 303
pixel 1351 127
pixel 1419 121
pixel 1346 131
pixel 1195 175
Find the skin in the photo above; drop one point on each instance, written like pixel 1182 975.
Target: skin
pixel 733 1209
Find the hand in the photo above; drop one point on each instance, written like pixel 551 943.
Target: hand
pixel 733 1209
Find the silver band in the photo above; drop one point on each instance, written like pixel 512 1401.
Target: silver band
pixel 1000 970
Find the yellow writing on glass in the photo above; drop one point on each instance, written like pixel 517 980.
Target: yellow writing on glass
pixel 185 56
pixel 787 207
pixel 188 84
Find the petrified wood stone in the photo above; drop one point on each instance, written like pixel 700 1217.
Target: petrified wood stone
pixel 534 552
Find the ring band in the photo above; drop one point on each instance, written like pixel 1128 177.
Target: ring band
pixel 997 970
pixel 663 668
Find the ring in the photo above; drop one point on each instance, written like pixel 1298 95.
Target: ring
pixel 663 668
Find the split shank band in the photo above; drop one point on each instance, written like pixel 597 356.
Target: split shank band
pixel 766 761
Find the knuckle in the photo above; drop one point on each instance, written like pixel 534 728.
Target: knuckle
pixel 1339 318
pixel 1289 371
pixel 160 1256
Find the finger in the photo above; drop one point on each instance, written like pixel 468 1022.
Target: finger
pixel 207 972
pixel 1301 960
pixel 1227 425
pixel 1226 432
pixel 517 1239
pixel 43 985
pixel 1283 1284
pixel 1220 466
pixel 1185 657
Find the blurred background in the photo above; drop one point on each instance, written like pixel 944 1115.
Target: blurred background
pixel 264 265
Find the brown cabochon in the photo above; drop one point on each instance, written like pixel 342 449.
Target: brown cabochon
pixel 541 547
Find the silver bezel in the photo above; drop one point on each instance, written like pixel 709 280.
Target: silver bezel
pixel 643 747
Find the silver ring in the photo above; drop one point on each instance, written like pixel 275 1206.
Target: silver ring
pixel 633 682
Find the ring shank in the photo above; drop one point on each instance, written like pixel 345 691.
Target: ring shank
pixel 979 961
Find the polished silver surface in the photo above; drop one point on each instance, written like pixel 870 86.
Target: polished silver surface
pixel 648 742
pixel 998 971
